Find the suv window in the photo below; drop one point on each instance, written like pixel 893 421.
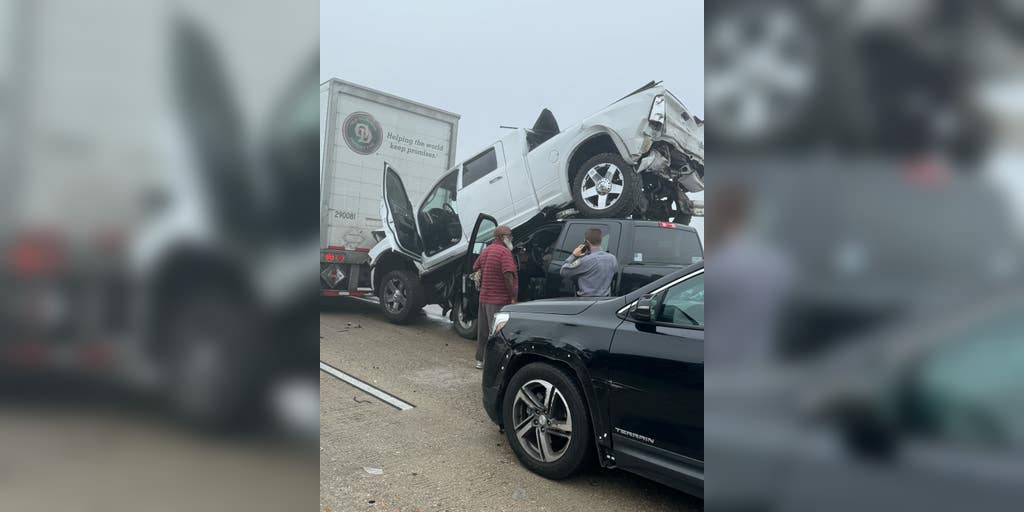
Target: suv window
pixel 682 305
pixel 479 166
pixel 665 245
pixel 968 391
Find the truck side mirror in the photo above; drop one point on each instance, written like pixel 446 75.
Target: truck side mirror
pixel 642 312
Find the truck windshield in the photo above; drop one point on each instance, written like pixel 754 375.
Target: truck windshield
pixel 665 246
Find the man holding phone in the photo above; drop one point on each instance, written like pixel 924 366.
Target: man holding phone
pixel 591 266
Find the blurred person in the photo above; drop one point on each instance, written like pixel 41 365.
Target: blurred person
pixel 499 284
pixel 751 282
pixel 591 266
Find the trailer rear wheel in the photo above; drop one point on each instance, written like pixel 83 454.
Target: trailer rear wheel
pixel 401 296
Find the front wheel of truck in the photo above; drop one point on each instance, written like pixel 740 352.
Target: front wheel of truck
pixel 401 296
pixel 213 358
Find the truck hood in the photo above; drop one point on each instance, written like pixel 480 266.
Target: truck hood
pixel 563 306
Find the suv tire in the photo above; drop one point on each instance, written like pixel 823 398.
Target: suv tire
pixel 564 410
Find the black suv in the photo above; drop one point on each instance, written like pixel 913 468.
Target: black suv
pixel 620 378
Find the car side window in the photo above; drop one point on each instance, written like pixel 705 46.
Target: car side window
pixel 479 166
pixel 682 305
pixel 969 391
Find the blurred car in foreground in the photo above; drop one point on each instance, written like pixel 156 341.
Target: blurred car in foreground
pixel 622 378
pixel 925 415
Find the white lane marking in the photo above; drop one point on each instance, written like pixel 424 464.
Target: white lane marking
pixel 379 394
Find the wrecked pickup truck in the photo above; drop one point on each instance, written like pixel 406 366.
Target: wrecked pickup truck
pixel 637 157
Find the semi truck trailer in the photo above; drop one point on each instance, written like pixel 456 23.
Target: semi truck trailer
pixel 360 129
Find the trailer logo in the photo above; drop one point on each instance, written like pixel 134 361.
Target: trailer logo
pixel 362 133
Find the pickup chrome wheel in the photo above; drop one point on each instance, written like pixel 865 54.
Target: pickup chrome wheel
pixel 546 421
pixel 401 295
pixel 542 421
pixel 606 186
pixel 601 187
pixel 764 70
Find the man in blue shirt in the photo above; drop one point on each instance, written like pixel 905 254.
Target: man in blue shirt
pixel 592 270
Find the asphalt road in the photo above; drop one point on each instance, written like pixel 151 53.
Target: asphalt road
pixel 444 454
pixel 84 446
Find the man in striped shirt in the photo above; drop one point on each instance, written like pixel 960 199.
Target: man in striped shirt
pixel 499 285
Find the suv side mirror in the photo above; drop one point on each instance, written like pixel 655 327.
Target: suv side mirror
pixel 862 426
pixel 642 312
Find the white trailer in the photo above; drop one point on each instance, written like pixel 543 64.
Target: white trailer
pixel 360 129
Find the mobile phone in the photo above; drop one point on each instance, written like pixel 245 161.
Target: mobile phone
pixel 586 247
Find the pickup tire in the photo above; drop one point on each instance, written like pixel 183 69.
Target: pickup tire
pixel 214 356
pixel 465 328
pixel 401 296
pixel 606 186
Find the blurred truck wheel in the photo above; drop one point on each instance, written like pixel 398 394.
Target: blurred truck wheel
pixel 401 296
pixel 466 328
pixel 212 355
pixel 606 186
pixel 765 72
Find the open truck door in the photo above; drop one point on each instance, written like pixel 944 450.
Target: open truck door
pixel 464 315
pixel 400 221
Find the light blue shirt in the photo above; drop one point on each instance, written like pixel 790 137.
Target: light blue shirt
pixel 593 272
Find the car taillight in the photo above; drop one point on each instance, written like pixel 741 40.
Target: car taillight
pixel 500 319
pixel 332 257
pixel 666 225
pixel 329 257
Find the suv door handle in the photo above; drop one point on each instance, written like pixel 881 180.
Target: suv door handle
pixel 495 180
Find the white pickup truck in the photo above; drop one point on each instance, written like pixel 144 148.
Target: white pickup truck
pixel 636 157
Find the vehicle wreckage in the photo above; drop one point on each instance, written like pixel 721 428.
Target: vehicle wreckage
pixel 637 158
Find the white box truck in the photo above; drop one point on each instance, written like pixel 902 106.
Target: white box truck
pixel 360 129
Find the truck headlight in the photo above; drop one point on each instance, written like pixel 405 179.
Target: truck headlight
pixel 500 319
